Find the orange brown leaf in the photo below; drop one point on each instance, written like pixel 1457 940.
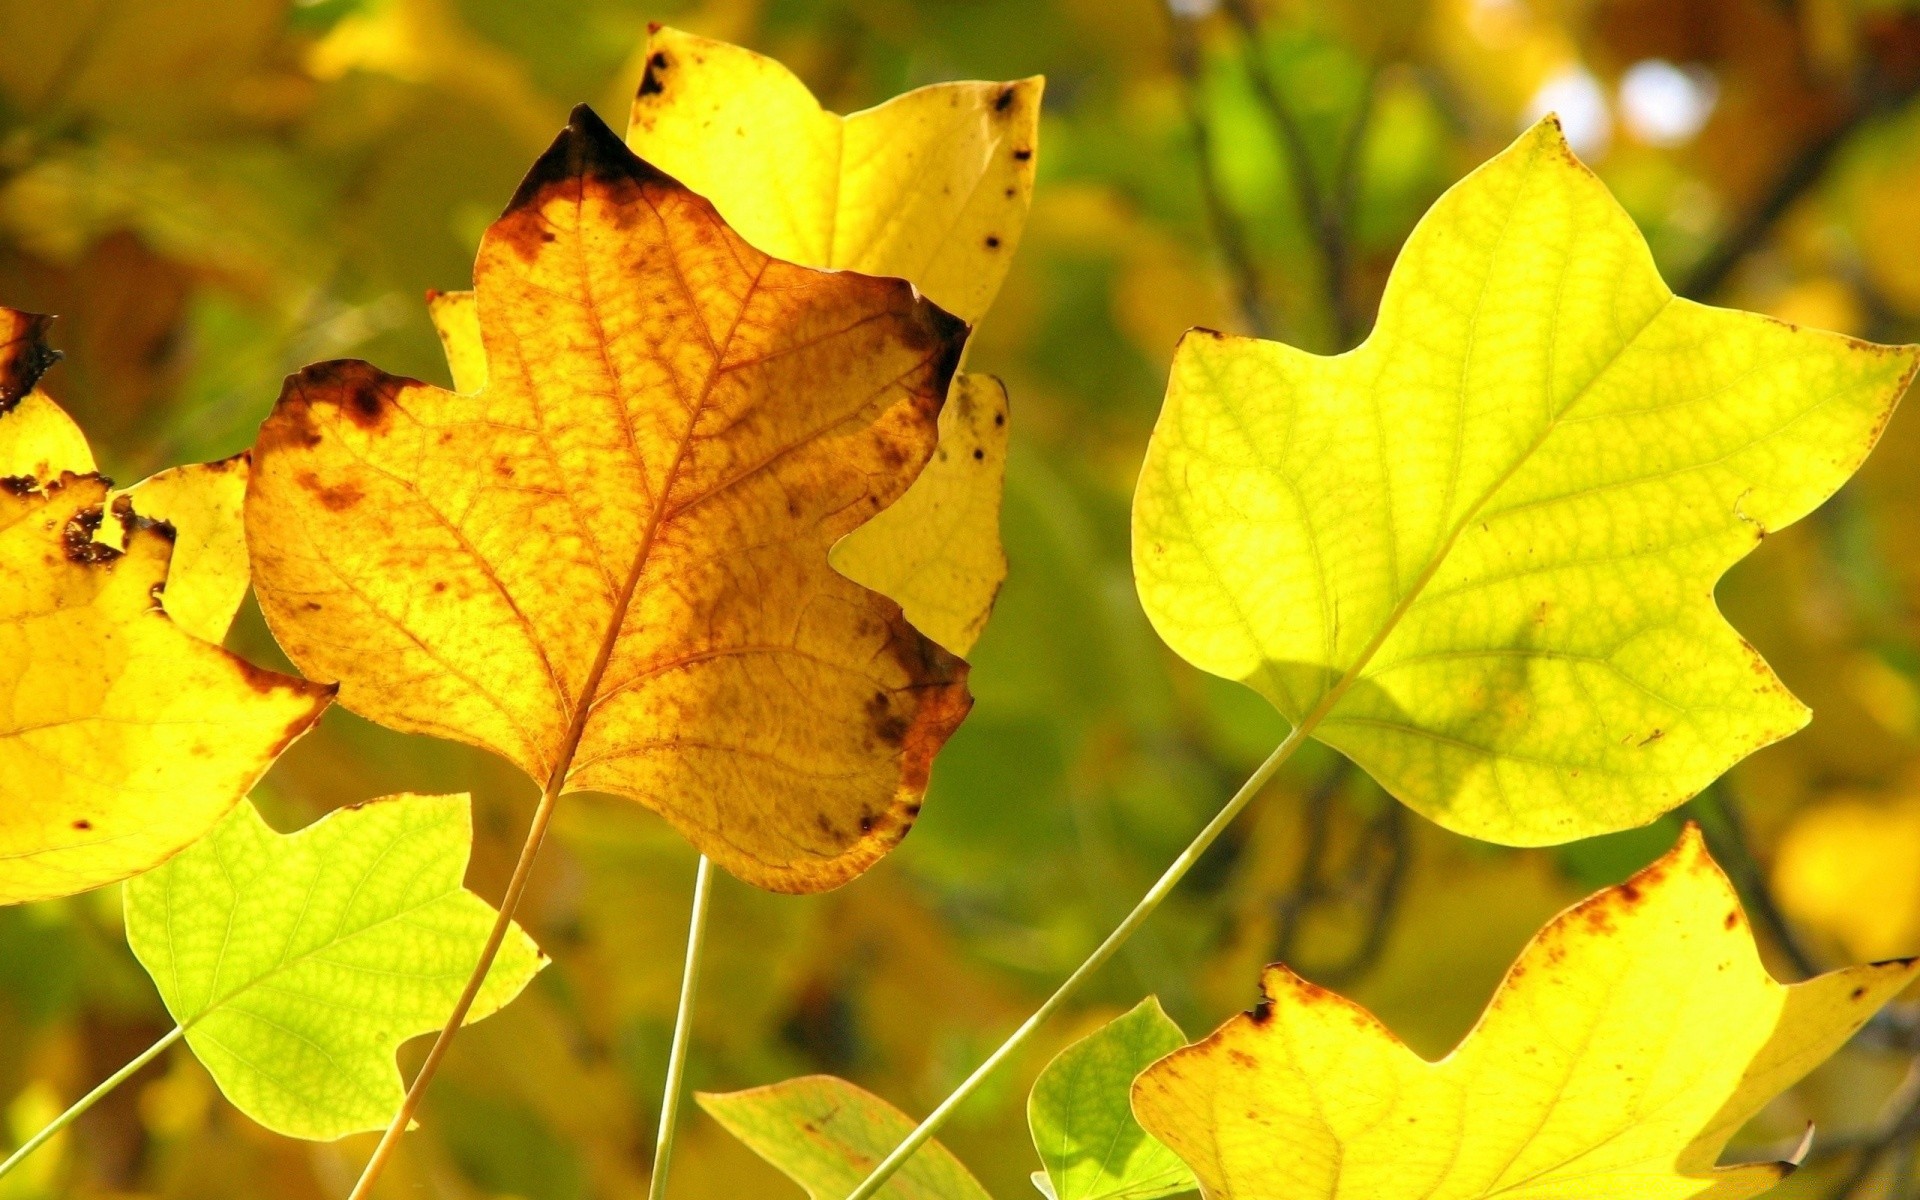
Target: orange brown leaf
pixel 609 564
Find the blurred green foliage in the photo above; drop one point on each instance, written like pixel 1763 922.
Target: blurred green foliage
pixel 212 193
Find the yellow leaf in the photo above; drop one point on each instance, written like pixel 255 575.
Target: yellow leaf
pixel 456 318
pixel 609 564
pixel 1477 554
pixel 825 1134
pixel 122 737
pixel 933 187
pixel 1636 1033
pixel 936 550
pixel 207 577
pixel 37 438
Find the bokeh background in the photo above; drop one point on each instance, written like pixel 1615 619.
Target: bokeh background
pixel 213 192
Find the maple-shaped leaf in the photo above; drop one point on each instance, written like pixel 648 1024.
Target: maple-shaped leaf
pixel 1478 553
pixel 298 963
pixel 1634 1036
pixel 609 564
pixel 1081 1116
pixel 825 1134
pixel 124 734
pixel 933 186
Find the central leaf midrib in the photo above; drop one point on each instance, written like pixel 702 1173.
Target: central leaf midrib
pixel 583 704
pixel 1332 697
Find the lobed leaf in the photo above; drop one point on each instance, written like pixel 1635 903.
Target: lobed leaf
pixel 1477 554
pixel 933 186
pixel 1635 1034
pixel 125 734
pixel 1081 1115
pixel 609 563
pixel 825 1134
pixel 298 963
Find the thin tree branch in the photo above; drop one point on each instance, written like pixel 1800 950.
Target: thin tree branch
pixel 1801 174
pixel 1222 221
pixel 1726 834
pixel 1326 220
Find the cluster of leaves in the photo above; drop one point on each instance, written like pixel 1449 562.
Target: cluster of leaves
pixel 631 553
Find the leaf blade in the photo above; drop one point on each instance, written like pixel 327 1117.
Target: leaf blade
pixel 825 1134
pixel 298 963
pixel 1632 1038
pixel 1081 1116
pixel 613 557
pixel 1473 553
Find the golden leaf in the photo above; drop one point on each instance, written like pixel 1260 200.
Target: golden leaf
pixel 38 440
pixel 123 738
pixel 1636 1033
pixel 609 564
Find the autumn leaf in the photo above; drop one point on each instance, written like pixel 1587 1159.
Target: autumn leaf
pixel 1635 1035
pixel 933 186
pixel 37 438
pixel 207 576
pixel 298 963
pixel 124 734
pixel 825 1134
pixel 1477 555
pixel 609 563
pixel 1081 1115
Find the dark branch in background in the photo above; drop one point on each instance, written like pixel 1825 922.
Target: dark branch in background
pixel 1726 834
pixel 1875 97
pixel 1249 293
pixel 1899 1126
pixel 1326 216
pixel 1373 880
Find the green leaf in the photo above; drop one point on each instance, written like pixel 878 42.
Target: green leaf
pixel 1477 555
pixel 825 1134
pixel 298 963
pixel 1081 1113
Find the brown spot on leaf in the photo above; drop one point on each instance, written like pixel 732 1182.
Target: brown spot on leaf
pixel 650 84
pixel 993 242
pixel 83 824
pixel 333 497
pixel 1022 154
pixel 1004 100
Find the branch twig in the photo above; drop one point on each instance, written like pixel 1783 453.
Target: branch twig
pixel 1224 223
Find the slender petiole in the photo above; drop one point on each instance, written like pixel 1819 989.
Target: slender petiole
pixel 93 1097
pixel 923 1133
pixel 682 1029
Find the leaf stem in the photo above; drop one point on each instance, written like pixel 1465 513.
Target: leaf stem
pixel 390 1140
pixel 682 1028
pixel 93 1097
pixel 924 1132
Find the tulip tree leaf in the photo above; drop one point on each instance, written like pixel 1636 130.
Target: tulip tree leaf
pixel 298 963
pixel 825 1134
pixel 1081 1113
pixel 1477 554
pixel 207 577
pixel 933 186
pixel 123 736
pixel 609 564
pixel 38 440
pixel 1634 1036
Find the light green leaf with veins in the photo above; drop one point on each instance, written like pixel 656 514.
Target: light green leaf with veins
pixel 1477 554
pixel 1081 1114
pixel 825 1134
pixel 298 963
